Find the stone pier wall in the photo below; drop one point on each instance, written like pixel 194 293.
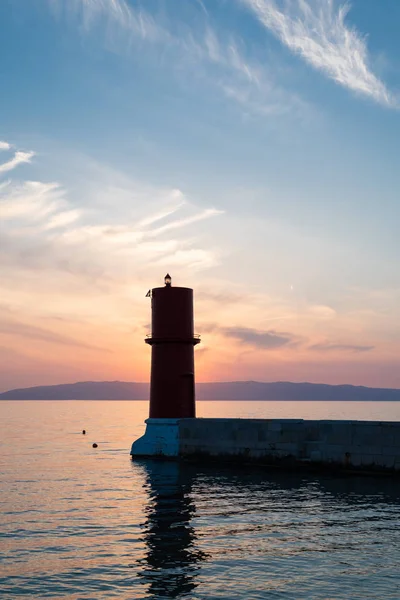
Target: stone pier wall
pixel 364 445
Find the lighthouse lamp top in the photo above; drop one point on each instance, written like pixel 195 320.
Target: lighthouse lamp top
pixel 167 280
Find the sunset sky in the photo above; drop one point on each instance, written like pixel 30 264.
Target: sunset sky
pixel 249 147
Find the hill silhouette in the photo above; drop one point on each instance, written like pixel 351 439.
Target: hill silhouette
pixel 234 390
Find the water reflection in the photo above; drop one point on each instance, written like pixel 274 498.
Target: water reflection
pixel 252 482
pixel 171 560
pixel 250 519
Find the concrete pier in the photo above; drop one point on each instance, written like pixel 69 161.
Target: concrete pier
pixel 369 446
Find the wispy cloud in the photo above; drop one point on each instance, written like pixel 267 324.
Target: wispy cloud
pixel 92 250
pixel 317 31
pixel 328 347
pixel 30 200
pixel 4 145
pixel 135 21
pixel 251 85
pixel 201 216
pixel 25 330
pixel 264 340
pixel 163 214
pixel 18 158
pixel 133 236
pixel 43 229
pixel 62 219
pixel 224 298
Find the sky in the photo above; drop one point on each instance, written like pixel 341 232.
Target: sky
pixel 248 147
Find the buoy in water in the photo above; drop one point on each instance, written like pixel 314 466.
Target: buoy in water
pixel 84 431
pixel 94 445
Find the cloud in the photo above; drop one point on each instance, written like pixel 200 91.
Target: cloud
pixel 205 214
pixel 18 159
pixel 193 259
pixel 224 298
pixel 321 311
pixel 30 200
pixel 316 30
pixel 90 250
pixel 201 351
pixel 328 347
pixel 121 229
pixel 137 239
pixel 4 145
pixel 250 84
pixel 117 13
pixel 63 218
pixel 265 340
pixel 164 213
pixel 44 335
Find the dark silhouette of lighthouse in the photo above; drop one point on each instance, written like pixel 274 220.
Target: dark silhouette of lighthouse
pixel 172 341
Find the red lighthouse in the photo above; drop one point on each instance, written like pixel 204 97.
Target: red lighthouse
pixel 172 341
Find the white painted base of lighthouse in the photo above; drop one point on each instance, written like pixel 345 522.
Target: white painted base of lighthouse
pixel 161 439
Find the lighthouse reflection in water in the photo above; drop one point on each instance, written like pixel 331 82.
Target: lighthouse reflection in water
pixel 235 533
pixel 171 560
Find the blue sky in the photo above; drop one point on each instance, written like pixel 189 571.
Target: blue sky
pixel 249 147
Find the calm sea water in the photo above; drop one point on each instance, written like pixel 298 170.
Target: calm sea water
pixel 84 523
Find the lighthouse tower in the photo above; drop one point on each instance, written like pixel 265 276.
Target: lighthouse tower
pixel 172 344
pixel 172 387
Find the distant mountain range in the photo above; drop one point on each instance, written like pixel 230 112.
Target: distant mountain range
pixel 235 390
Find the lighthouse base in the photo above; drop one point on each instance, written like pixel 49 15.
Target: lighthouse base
pixel 161 439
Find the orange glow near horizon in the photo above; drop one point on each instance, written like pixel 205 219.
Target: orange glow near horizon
pixel 49 350
pixel 61 323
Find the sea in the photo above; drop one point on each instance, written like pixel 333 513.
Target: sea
pixel 84 523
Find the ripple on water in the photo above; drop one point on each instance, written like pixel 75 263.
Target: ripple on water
pixel 96 526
